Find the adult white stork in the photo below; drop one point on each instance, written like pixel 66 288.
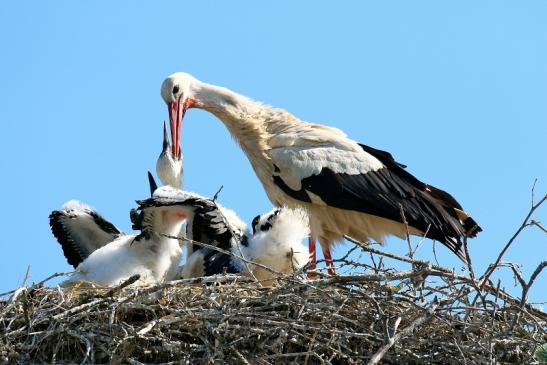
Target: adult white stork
pixel 347 188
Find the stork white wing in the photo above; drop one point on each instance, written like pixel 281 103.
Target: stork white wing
pixel 299 162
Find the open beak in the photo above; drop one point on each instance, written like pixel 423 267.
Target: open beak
pixel 177 109
pixel 166 145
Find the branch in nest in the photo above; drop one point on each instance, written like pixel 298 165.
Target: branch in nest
pixel 524 224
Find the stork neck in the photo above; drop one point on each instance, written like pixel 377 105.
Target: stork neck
pixel 173 229
pixel 251 123
pixel 156 222
pixel 169 170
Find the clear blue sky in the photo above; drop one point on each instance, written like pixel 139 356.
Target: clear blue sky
pixel 457 91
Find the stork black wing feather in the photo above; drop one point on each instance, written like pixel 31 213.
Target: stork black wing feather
pixel 70 250
pixel 80 232
pixel 382 193
pixel 218 263
pixel 211 226
pixel 396 167
pixel 384 156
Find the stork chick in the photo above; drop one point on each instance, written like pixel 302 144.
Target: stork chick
pixel 206 222
pixel 169 166
pixel 99 260
pixel 277 242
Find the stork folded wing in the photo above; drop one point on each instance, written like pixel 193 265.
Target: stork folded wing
pixel 376 191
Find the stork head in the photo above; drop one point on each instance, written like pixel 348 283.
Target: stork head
pixel 178 92
pixel 264 222
pixel 169 166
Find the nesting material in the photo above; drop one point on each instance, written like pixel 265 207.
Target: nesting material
pixel 379 315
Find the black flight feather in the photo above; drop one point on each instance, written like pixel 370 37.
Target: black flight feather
pixel 382 192
pixel 81 234
pixel 471 228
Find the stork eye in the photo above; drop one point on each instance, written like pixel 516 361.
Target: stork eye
pixel 175 90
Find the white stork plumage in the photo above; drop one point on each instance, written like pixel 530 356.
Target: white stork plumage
pixel 104 255
pixel 347 188
pixel 276 242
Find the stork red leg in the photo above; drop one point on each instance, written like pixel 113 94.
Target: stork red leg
pixel 313 259
pixel 328 260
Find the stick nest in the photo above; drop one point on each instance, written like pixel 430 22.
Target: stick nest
pixel 378 317
pixel 369 313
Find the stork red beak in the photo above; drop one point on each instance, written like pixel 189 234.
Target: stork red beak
pixel 177 109
pixel 175 121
